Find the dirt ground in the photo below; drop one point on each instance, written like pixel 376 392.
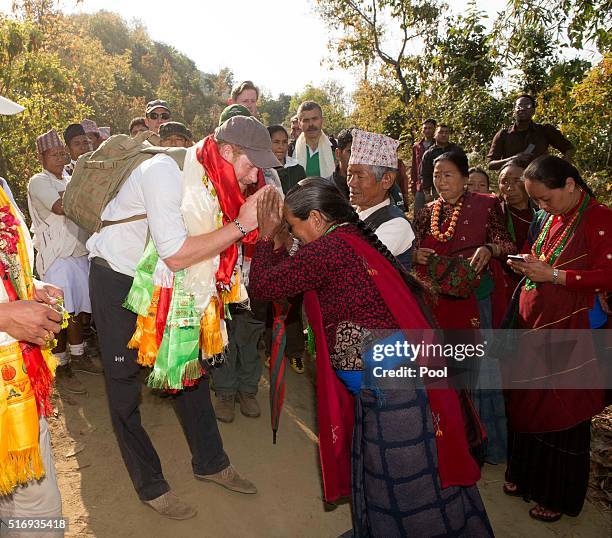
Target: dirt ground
pixel 99 500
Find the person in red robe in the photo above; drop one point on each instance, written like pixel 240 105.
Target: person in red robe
pixel 567 270
pixel 408 466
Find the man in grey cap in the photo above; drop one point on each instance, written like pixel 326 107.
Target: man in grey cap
pixel 153 193
pixel 156 113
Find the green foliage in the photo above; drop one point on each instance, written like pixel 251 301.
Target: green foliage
pixel 383 32
pixel 66 68
pixel 464 55
pixel 273 111
pixel 582 21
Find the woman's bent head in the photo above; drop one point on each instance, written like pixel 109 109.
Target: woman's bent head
pixel 554 184
pixel 312 206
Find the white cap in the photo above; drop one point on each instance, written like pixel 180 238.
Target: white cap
pixel 9 107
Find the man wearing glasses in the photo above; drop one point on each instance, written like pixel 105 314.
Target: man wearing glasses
pixel 526 140
pixel 156 113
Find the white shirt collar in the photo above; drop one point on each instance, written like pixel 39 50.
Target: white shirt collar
pixel 290 161
pixel 311 151
pixel 367 212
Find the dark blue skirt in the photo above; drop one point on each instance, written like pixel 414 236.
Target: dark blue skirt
pixel 396 486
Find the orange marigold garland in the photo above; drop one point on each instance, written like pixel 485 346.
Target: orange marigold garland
pixel 435 221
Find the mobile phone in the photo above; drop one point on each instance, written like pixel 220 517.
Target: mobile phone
pixel 516 258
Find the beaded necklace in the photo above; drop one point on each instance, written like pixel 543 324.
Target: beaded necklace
pixel 332 228
pixel 435 221
pixel 549 254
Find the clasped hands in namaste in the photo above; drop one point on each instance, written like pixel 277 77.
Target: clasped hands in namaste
pixel 270 218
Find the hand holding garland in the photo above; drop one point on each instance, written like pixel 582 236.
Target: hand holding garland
pixel 30 321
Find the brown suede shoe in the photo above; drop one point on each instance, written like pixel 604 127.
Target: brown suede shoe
pixel 86 364
pixel 248 405
pixel 224 407
pixel 170 506
pixel 66 380
pixel 230 479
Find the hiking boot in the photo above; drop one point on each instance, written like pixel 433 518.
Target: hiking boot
pixel 230 479
pixel 92 347
pixel 170 506
pixel 224 407
pixel 248 404
pixel 84 363
pixel 297 364
pixel 68 381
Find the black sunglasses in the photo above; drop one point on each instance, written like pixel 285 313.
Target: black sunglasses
pixel 163 115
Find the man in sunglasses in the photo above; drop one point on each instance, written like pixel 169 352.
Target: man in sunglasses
pixel 156 113
pixel 526 140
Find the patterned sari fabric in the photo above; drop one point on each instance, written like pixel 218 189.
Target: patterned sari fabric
pixel 26 370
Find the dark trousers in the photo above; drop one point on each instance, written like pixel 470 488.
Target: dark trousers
pixel 242 368
pixel 108 290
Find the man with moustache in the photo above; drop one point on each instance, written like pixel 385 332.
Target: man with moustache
pixel 313 150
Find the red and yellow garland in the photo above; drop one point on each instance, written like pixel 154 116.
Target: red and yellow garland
pixel 26 370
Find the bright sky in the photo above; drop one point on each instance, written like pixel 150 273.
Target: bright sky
pixel 279 44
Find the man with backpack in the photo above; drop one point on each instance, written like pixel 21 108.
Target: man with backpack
pixel 149 202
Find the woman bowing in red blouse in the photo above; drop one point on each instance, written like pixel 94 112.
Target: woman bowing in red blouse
pixel 568 270
pixel 408 467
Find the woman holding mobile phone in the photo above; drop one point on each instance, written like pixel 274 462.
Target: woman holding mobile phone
pixel 568 268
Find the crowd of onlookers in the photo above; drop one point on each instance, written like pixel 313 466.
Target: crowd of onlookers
pixel 455 219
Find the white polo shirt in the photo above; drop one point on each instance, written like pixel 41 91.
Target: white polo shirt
pixel 396 234
pixel 154 188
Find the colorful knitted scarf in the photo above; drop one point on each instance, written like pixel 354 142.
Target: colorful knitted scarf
pixel 27 371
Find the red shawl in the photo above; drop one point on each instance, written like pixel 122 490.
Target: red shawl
pixel 335 405
pixel 222 175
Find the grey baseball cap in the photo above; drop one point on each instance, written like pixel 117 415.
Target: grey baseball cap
pixel 250 135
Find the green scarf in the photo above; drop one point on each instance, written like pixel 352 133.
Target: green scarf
pixel 177 363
